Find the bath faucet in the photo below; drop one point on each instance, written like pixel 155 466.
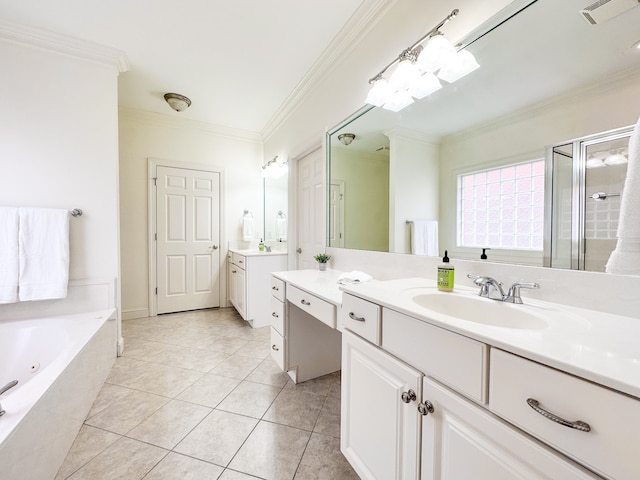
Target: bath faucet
pixel 4 389
pixel 487 286
pixel 513 295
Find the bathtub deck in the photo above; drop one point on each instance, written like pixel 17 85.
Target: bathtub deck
pixel 198 392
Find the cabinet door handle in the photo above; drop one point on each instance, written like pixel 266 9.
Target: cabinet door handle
pixel 352 316
pixel 426 408
pixel 304 302
pixel 577 425
pixel 275 347
pixel 274 314
pixel 234 271
pixel 299 250
pixel 275 288
pixel 408 397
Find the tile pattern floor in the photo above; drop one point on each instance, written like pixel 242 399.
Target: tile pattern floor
pixel 196 396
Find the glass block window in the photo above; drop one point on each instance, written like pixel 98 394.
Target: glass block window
pixel 502 207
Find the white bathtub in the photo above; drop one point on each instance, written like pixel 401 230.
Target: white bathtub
pixel 60 364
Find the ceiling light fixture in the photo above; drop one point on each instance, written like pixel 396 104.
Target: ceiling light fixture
pixel 418 66
pixel 178 102
pixel 346 138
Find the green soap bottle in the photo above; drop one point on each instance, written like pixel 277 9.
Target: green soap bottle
pixel 446 273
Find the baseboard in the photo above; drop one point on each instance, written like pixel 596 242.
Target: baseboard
pixel 133 313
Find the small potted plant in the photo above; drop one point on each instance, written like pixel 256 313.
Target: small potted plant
pixel 322 259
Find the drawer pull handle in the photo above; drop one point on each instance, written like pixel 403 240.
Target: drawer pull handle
pixel 274 314
pixel 352 316
pixel 274 347
pixel 577 425
pixel 304 302
pixel 408 397
pixel 275 288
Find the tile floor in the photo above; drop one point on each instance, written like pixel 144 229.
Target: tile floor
pixel 196 396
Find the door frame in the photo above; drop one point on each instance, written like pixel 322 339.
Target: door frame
pixel 152 165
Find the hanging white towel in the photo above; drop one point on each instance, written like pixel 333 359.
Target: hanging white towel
pixel 625 258
pixel 424 237
pixel 9 265
pixel 247 228
pixel 44 253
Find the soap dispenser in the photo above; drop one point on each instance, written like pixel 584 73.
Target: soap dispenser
pixel 445 274
pixel 261 246
pixel 484 254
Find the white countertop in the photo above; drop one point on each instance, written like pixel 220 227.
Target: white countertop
pixel 601 347
pixel 321 284
pixel 255 253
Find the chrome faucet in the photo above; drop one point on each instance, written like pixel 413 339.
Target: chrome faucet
pixel 4 389
pixel 513 295
pixel 490 285
pixel 487 286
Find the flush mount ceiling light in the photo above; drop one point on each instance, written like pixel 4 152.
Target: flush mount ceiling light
pixel 346 138
pixel 417 69
pixel 178 102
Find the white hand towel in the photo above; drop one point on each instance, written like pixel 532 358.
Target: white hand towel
pixel 424 237
pixel 9 265
pixel 247 228
pixel 44 253
pixel 625 258
pixel 354 277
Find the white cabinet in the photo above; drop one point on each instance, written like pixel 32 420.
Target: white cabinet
pixel 399 420
pixel 461 440
pixel 380 421
pixel 304 341
pixel 249 284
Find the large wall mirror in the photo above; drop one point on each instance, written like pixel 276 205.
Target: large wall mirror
pixel 548 78
pixel 275 209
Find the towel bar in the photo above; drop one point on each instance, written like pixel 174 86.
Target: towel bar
pixel 76 212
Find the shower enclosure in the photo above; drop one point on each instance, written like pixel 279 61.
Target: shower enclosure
pixel 584 181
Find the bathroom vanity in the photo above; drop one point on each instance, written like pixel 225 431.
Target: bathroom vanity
pixel 466 387
pixel 249 273
pixel 305 336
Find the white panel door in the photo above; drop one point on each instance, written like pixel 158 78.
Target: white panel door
pixel 311 225
pixel 188 229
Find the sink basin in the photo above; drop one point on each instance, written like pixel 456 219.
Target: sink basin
pixel 473 308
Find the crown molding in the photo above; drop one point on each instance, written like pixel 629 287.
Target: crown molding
pixel 63 44
pixel 162 120
pixel 362 21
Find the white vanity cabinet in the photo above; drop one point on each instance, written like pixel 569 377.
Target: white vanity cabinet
pixel 249 283
pixel 415 407
pixel 304 340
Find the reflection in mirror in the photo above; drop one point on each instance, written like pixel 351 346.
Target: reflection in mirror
pixel 546 75
pixel 275 209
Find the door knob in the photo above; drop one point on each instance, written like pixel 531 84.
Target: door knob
pixel 299 250
pixel 426 408
pixel 215 247
pixel 408 397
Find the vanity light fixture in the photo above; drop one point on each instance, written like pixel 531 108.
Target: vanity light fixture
pixel 615 158
pixel 346 138
pixel 276 168
pixel 417 69
pixel 178 102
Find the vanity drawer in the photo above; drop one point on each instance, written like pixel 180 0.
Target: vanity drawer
pixel 453 359
pixel 277 288
pixel 277 315
pixel 239 260
pixel 314 306
pixel 361 317
pixel 610 448
pixel 277 348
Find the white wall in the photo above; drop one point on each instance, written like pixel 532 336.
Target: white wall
pixel 145 135
pixel 59 146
